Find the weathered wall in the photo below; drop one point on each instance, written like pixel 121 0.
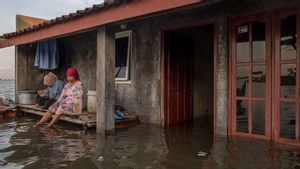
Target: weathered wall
pixel 142 95
pixel 80 51
pixel 28 77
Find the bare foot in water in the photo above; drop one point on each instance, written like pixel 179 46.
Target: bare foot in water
pixel 49 127
pixel 38 124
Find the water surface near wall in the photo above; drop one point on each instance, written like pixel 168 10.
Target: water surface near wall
pixel 145 146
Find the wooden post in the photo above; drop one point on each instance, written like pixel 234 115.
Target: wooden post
pixel 105 81
pixel 21 69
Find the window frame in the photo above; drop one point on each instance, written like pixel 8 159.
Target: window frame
pixel 119 35
pixel 236 21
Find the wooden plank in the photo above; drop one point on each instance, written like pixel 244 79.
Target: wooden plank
pixel 130 121
pixel 63 118
pixel 87 120
pixel 33 107
pixel 6 108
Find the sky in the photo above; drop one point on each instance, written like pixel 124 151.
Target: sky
pixel 46 9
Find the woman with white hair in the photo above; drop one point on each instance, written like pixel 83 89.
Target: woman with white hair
pixel 50 95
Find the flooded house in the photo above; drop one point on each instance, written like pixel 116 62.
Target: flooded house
pixel 233 62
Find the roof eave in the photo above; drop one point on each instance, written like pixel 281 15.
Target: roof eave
pixel 131 10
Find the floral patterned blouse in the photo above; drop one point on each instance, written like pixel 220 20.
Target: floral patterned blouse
pixel 65 102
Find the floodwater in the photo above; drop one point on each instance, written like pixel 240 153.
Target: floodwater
pixel 7 89
pixel 187 146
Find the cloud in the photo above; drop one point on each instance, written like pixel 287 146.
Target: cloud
pixel 46 9
pixel 6 67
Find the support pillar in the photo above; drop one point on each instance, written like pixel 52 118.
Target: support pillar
pixel 222 102
pixel 105 84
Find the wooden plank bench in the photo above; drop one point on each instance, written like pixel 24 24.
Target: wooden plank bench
pixel 86 120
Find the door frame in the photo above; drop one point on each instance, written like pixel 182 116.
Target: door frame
pixel 275 16
pixel 163 31
pixel 232 87
pixel 278 15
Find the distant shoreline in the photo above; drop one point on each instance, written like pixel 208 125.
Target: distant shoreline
pixel 8 80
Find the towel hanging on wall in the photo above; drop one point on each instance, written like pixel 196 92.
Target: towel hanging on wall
pixel 47 56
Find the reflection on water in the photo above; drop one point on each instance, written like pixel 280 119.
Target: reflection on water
pixel 287 120
pixel 140 147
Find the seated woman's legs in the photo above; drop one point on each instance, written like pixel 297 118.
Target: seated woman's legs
pixel 44 119
pixel 59 112
pixel 54 120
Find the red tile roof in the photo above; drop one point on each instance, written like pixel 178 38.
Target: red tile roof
pixel 94 17
pixel 65 18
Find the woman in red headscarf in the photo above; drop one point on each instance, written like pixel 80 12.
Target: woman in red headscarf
pixel 72 92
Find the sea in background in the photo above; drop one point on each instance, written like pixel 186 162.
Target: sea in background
pixel 7 89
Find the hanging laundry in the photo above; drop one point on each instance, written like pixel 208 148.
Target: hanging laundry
pixel 47 56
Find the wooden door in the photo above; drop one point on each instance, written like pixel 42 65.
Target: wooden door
pixel 287 73
pixel 178 78
pixel 251 76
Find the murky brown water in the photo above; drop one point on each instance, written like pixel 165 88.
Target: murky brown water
pixel 140 147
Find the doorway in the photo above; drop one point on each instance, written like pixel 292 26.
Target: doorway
pixel 188 71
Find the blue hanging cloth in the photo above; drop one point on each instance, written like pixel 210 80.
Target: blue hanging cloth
pixel 47 56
